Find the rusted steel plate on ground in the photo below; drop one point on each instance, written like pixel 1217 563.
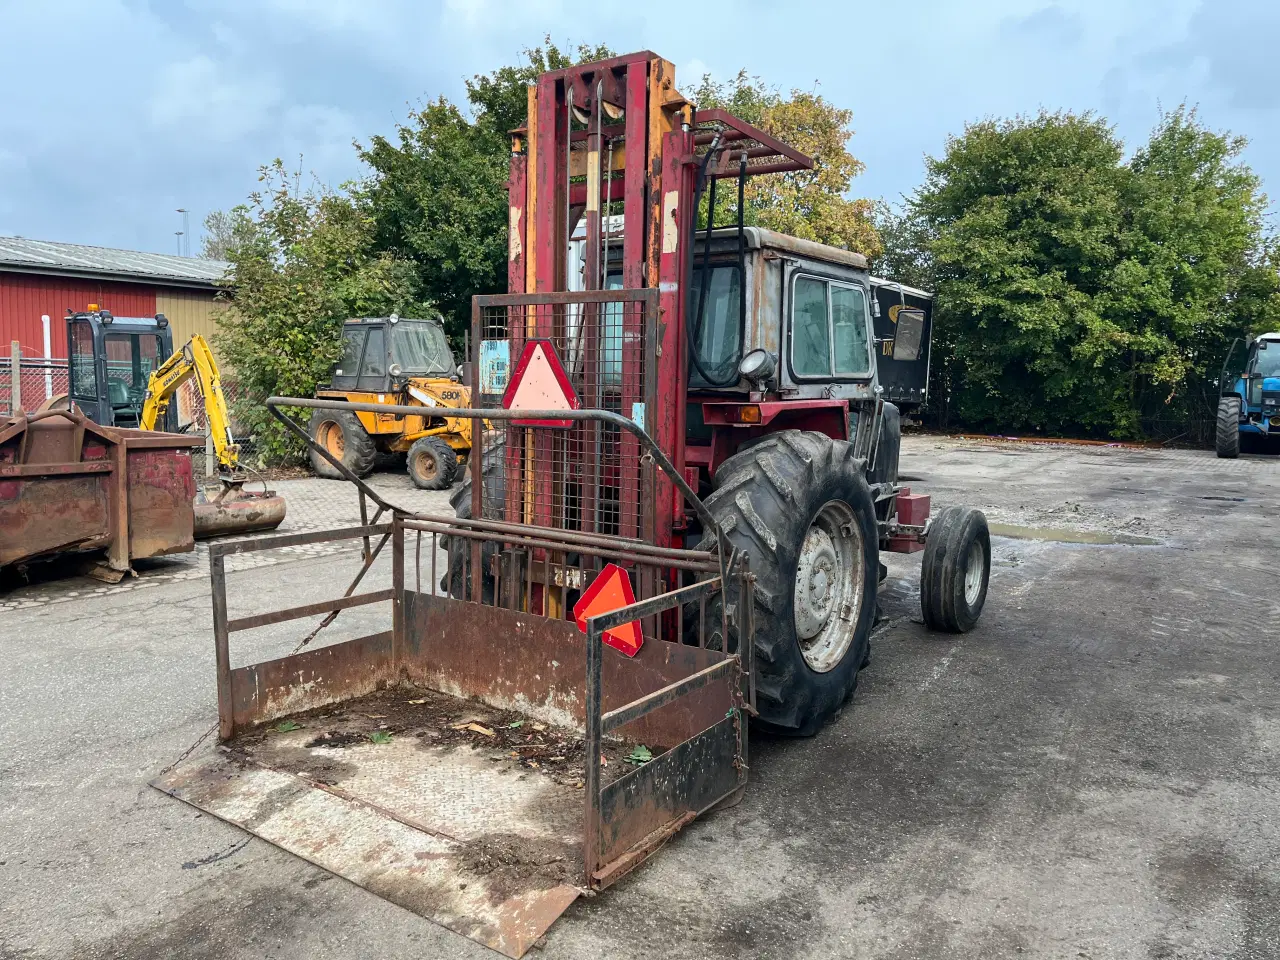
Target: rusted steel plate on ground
pixel 538 666
pixel 419 827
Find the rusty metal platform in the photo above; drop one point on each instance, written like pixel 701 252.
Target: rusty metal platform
pixel 458 832
pixel 470 764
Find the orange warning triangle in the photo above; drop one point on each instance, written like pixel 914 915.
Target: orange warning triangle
pixel 609 591
pixel 540 383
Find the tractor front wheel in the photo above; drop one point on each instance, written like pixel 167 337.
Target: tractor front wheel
pixel 798 505
pixel 432 464
pixel 343 436
pixel 1227 436
pixel 955 570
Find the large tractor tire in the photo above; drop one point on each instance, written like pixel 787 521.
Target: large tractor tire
pixel 1227 437
pixel 432 464
pixel 341 433
pixel 955 570
pixel 456 580
pixel 798 505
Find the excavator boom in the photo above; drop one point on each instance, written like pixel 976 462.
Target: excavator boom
pixel 195 359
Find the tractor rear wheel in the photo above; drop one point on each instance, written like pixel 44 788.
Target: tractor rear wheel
pixel 1227 437
pixel 798 505
pixel 341 433
pixel 955 570
pixel 432 464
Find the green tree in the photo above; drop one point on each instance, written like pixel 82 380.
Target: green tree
pixel 301 264
pixel 1080 293
pixel 438 193
pixel 1195 269
pixel 812 204
pixel 219 226
pixel 1023 217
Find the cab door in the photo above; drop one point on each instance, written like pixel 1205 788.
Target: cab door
pixel 86 371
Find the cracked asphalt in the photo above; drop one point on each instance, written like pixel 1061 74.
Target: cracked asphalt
pixel 1092 773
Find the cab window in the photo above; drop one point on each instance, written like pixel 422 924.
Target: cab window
pixel 829 336
pixel 352 347
pixel 375 353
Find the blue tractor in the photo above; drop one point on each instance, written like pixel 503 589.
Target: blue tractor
pixel 1249 399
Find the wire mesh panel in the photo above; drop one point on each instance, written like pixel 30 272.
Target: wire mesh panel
pixel 588 476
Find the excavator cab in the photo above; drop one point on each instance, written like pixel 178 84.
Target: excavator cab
pixel 111 360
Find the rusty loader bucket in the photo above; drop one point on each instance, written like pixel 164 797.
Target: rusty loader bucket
pixel 478 758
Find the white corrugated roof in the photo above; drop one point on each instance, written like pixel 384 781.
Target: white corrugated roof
pixel 77 259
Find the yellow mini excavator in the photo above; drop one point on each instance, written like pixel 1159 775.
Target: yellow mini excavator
pixel 231 509
pixel 119 378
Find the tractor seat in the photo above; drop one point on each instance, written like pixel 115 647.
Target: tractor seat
pixel 118 393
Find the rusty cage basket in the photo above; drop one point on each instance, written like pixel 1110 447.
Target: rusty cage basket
pixel 504 636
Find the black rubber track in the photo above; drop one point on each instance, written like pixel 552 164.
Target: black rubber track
pixel 358 449
pixel 446 462
pixel 942 569
pixel 1227 437
pixel 766 499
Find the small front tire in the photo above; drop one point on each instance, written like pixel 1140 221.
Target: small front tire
pixel 955 570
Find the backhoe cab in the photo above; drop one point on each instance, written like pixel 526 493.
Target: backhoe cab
pixel 394 360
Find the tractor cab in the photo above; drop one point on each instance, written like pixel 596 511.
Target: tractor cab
pixel 111 360
pixel 380 354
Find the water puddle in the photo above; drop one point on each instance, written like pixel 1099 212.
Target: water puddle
pixel 1018 532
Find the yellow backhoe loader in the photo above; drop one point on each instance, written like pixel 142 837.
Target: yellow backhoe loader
pixel 390 360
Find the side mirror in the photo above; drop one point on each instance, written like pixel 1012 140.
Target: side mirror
pixel 909 335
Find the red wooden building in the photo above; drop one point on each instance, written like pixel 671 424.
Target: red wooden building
pixel 42 279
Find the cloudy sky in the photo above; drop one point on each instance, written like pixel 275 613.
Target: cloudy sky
pixel 116 112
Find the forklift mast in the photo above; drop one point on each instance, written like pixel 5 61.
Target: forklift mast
pixel 605 139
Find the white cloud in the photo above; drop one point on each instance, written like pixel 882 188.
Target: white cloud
pixel 225 104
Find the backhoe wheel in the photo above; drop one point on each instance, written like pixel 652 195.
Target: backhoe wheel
pixel 457 580
pixel 799 506
pixel 341 433
pixel 432 464
pixel 1227 437
pixel 955 570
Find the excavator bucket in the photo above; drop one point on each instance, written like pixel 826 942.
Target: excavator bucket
pixel 233 510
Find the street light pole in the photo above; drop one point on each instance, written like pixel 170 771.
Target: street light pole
pixel 186 231
pixel 178 235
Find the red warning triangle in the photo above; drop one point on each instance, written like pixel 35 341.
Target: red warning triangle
pixel 609 591
pixel 540 383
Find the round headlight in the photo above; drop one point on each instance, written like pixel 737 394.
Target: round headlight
pixel 757 366
pixel 395 369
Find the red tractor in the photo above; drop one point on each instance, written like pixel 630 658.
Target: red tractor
pixel 747 356
pixel 682 476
